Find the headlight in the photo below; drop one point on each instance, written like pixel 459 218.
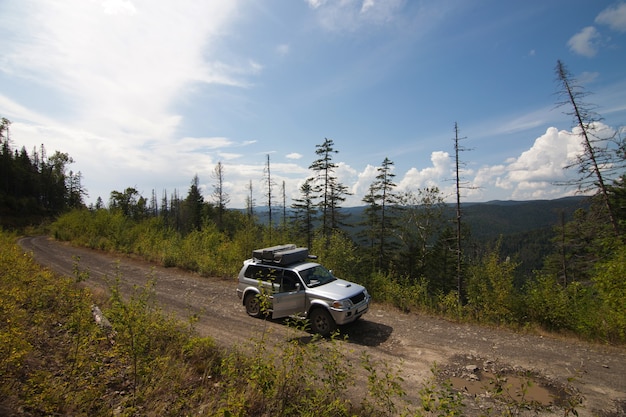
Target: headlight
pixel 342 304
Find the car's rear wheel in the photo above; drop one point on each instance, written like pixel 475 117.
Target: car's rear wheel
pixel 322 322
pixel 253 306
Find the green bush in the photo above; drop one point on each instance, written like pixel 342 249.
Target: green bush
pixel 491 295
pixel 610 282
pixel 547 304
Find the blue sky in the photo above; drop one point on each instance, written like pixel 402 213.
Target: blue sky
pixel 147 94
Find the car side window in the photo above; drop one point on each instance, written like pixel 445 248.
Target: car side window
pixel 290 279
pixel 264 273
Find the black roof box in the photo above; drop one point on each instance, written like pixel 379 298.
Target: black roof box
pixel 281 254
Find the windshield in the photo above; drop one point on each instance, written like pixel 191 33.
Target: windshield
pixel 318 275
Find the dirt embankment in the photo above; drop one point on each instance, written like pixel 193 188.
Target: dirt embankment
pixel 473 357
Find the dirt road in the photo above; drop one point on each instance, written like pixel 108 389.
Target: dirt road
pixel 468 353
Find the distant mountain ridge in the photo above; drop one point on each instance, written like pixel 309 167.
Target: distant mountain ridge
pixel 495 218
pixel 486 220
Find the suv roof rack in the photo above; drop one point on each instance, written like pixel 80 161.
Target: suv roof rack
pixel 281 254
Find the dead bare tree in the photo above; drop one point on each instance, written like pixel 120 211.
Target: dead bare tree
pixel 459 185
pixel 270 185
pixel 596 157
pixel 220 196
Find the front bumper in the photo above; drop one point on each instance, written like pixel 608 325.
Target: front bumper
pixel 345 316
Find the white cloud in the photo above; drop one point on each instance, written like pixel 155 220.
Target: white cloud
pixel 122 63
pixel 367 4
pixel 351 15
pixel 534 173
pixel 115 69
pixel 587 77
pixel 585 42
pixel 614 16
pixel 440 171
pixel 229 155
pixel 202 144
pixel 293 155
pixel 360 187
pixel 314 4
pixel 119 7
pixel 13 110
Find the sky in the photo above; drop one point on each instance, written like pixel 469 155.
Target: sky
pixel 150 93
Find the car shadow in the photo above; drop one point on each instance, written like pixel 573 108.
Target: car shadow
pixel 360 332
pixel 366 333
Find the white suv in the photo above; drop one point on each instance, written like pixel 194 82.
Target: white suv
pixel 295 286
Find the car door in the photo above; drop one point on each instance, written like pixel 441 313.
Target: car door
pixel 291 297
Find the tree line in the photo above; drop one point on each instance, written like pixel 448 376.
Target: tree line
pixel 35 185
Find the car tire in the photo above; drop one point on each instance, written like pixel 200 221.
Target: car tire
pixel 253 306
pixel 322 322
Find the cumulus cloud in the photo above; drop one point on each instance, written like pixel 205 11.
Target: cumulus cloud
pixel 614 16
pixel 585 42
pixel 360 187
pixel 534 173
pixel 293 155
pixel 440 170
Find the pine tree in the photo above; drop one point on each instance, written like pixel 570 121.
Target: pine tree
pixel 329 192
pixel 304 212
pixel 193 205
pixel 382 200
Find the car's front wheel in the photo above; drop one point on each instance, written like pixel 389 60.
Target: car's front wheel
pixel 253 306
pixel 322 322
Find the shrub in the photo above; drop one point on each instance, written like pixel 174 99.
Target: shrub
pixel 610 281
pixel 491 295
pixel 547 303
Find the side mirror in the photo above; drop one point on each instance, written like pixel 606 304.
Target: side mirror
pixel 297 286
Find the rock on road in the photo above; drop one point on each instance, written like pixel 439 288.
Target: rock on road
pixel 411 341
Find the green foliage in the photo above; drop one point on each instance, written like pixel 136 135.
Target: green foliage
pixel 491 294
pixel 206 251
pixel 439 399
pixel 547 303
pixel 42 336
pixel 384 386
pixel 339 254
pixel 610 281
